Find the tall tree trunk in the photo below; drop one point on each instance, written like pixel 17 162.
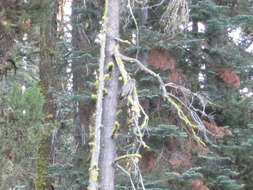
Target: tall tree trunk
pixel 47 81
pixel 103 150
pixel 109 115
pixel 82 109
pixel 79 42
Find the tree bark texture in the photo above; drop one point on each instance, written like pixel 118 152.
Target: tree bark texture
pixel 48 80
pixel 109 115
pixel 82 109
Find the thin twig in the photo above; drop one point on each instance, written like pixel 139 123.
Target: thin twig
pixel 128 174
pixel 155 5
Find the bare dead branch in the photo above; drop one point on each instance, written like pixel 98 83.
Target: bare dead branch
pixel 193 120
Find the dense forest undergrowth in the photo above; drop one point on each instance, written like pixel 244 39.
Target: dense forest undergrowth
pixel 134 94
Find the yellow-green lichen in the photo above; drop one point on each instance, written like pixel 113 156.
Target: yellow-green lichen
pixel 42 163
pixel 105 91
pixel 107 76
pixel 116 128
pixel 93 96
pixel 51 51
pixel 94 175
pixel 110 64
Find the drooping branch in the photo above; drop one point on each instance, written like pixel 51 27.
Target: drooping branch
pixel 185 112
pixel 129 92
pixel 175 16
pixel 133 100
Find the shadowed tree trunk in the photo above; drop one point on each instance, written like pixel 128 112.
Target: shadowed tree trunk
pixel 82 109
pixel 48 80
pixel 79 42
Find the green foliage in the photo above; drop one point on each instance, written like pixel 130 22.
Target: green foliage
pixel 218 171
pixel 192 173
pixel 222 182
pixel 225 168
pixel 228 165
pixel 239 149
pixel 21 119
pixel 204 10
pixel 27 106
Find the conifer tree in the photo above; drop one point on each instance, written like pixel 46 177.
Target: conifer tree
pixel 48 81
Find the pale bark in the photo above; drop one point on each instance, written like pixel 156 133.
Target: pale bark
pixel 95 151
pixel 107 155
pixel 103 152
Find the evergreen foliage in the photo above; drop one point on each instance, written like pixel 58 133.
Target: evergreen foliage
pixel 21 124
pixel 205 46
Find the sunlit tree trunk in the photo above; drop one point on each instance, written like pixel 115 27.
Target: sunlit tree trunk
pixel 109 115
pixel 48 80
pixel 101 171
